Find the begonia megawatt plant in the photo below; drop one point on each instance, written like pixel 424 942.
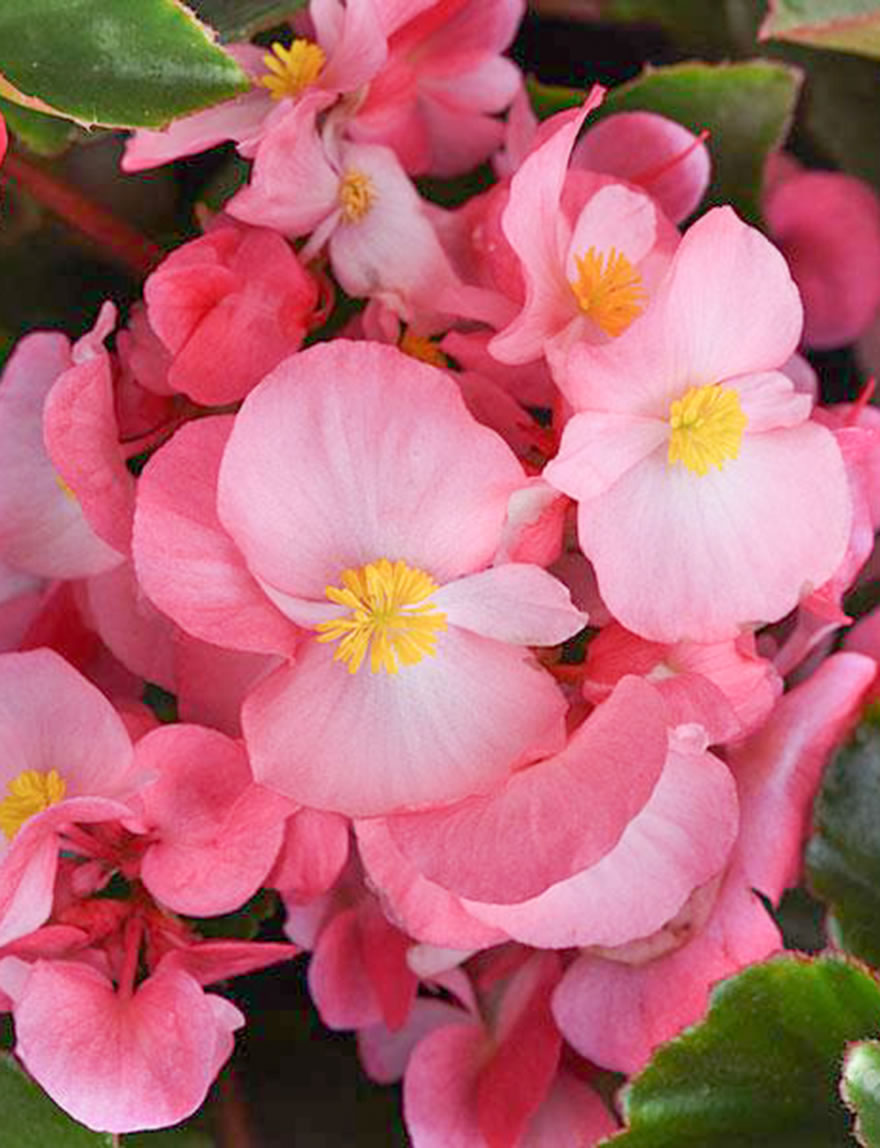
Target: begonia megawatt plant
pixel 439 479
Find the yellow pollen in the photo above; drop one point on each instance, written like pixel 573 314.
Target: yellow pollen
pixel 356 195
pixel 29 793
pixel 608 290
pixel 707 425
pixel 390 616
pixel 422 348
pixel 64 488
pixel 293 69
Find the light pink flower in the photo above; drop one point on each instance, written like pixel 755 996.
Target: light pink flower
pixel 591 249
pixel 354 477
pixel 707 499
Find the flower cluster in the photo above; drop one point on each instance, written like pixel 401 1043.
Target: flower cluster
pixel 477 615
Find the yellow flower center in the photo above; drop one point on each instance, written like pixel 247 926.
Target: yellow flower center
pixel 356 195
pixel 609 290
pixel 64 488
pixel 390 617
pixel 707 425
pixel 293 69
pixel 29 793
pixel 422 348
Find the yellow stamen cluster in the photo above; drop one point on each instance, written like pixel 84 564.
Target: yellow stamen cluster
pixel 356 195
pixel 293 69
pixel 422 348
pixel 391 617
pixel 707 425
pixel 27 794
pixel 609 290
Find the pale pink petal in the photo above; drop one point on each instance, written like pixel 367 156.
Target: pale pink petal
pixel 599 447
pixel 385 1054
pixel 614 218
pixel 116 1064
pixel 452 725
pixel 293 185
pixel 514 602
pixel 681 839
pixel 130 625
pixel 555 818
pixel 213 682
pixel 360 49
pixel 186 563
pixel 656 153
pixel 727 549
pixel 439 1090
pixel 42 528
pixel 770 400
pixel 428 912
pixel 358 452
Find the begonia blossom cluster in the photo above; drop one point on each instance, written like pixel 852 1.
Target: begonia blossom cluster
pixel 479 612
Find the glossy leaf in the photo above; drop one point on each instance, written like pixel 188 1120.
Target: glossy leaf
pixel 843 856
pixel 112 62
pixel 32 1120
pixel 763 1067
pixel 44 135
pixel 239 19
pixel 845 25
pixel 860 1088
pixel 747 109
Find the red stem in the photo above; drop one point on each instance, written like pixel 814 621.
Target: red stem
pixel 117 238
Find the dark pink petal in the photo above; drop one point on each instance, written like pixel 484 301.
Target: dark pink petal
pixel 313 854
pixel 217 833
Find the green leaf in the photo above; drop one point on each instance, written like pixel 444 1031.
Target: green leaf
pixel 860 1088
pixel 32 1120
pixel 762 1069
pixel 747 108
pixel 843 856
pixel 112 62
pixel 846 25
pixel 239 19
pixel 45 135
pixel 244 923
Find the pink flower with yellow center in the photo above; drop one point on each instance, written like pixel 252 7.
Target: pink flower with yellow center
pixel 708 499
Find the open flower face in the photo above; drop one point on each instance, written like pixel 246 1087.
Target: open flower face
pixel 708 500
pixel 368 504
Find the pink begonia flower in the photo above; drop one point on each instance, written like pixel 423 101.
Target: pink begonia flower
pixel 214 834
pixel 43 530
pixel 657 154
pixel 396 499
pixel 119 1055
pixel 749 684
pixel 357 199
pixel 229 307
pixel 708 501
pixel 348 47
pixel 827 225
pixel 635 881
pixel 488 1073
pixel 67 760
pixel 82 437
pixel 435 100
pixel 615 1005
pixel 592 250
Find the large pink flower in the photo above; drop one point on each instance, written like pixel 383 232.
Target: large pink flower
pixel 368 505
pixel 708 500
